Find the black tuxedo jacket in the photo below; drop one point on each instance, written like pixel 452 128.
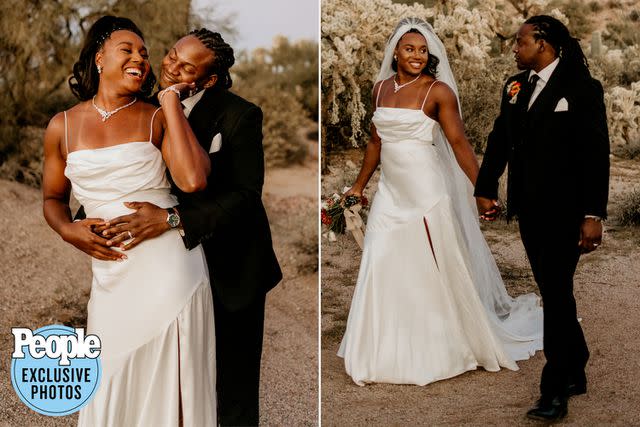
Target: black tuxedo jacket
pixel 558 160
pixel 228 217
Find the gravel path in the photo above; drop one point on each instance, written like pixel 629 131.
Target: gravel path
pixel 608 297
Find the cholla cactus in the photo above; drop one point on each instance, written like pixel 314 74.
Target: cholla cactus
pixel 596 44
pixel 354 34
pixel 623 113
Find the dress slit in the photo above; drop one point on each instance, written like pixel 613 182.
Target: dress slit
pixel 433 252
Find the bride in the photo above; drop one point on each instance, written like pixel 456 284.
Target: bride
pixel 153 309
pixel 429 302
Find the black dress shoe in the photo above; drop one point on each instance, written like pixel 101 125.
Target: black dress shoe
pixel 549 409
pixel 576 389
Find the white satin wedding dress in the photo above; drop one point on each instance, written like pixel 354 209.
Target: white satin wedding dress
pixel 153 312
pixel 429 302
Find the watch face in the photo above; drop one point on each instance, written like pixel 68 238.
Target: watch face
pixel 173 220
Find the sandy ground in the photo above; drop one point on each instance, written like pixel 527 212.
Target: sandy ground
pixel 44 281
pixel 608 297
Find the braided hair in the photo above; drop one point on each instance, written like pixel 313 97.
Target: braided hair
pixel 557 35
pixel 85 79
pixel 223 54
pixel 432 60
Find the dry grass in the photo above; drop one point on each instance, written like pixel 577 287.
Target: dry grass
pixel 630 209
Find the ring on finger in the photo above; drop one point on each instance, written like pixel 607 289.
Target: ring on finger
pixel 130 235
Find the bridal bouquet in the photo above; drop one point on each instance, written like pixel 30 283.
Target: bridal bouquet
pixel 343 213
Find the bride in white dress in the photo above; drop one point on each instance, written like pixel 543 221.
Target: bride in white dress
pixel 429 302
pixel 152 308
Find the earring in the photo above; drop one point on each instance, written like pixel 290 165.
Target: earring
pixel 99 69
pixel 395 58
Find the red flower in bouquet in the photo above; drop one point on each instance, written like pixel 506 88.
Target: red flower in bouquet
pixel 332 212
pixel 325 218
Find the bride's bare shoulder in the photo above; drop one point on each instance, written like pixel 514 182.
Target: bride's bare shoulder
pixel 442 89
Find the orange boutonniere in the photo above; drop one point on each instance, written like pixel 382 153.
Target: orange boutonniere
pixel 512 90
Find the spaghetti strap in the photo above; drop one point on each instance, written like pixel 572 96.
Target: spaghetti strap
pixel 428 91
pixel 379 90
pixel 66 133
pixel 151 131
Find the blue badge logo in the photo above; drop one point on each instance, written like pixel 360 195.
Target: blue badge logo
pixel 55 369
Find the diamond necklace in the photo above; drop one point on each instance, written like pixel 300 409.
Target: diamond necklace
pixel 397 87
pixel 106 114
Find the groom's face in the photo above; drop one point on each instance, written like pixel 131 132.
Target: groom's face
pixel 188 61
pixel 526 48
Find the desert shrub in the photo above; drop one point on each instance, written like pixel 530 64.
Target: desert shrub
pixel 480 98
pixel 289 66
pixel 623 114
pixel 595 6
pixel 283 81
pixel 617 67
pixel 23 163
pixel 630 209
pixel 283 124
pixel 630 150
pixel 623 32
pixel 577 15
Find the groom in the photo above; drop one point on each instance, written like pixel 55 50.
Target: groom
pixel 552 131
pixel 228 217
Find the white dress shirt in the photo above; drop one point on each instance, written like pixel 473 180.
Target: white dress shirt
pixel 545 75
pixel 188 105
pixel 191 102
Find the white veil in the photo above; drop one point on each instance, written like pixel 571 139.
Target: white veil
pixel 516 321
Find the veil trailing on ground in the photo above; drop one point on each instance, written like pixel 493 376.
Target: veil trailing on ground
pixel 516 321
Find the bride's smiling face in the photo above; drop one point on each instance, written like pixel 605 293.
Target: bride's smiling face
pixel 124 60
pixel 412 53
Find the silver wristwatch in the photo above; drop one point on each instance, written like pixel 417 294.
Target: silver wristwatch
pixel 173 219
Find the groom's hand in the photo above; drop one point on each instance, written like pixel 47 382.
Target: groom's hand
pixel 127 231
pixel 590 235
pixel 489 209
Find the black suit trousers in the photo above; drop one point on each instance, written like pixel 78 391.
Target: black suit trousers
pixel 553 252
pixel 238 353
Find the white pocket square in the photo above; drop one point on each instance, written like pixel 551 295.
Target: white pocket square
pixel 216 143
pixel 562 105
